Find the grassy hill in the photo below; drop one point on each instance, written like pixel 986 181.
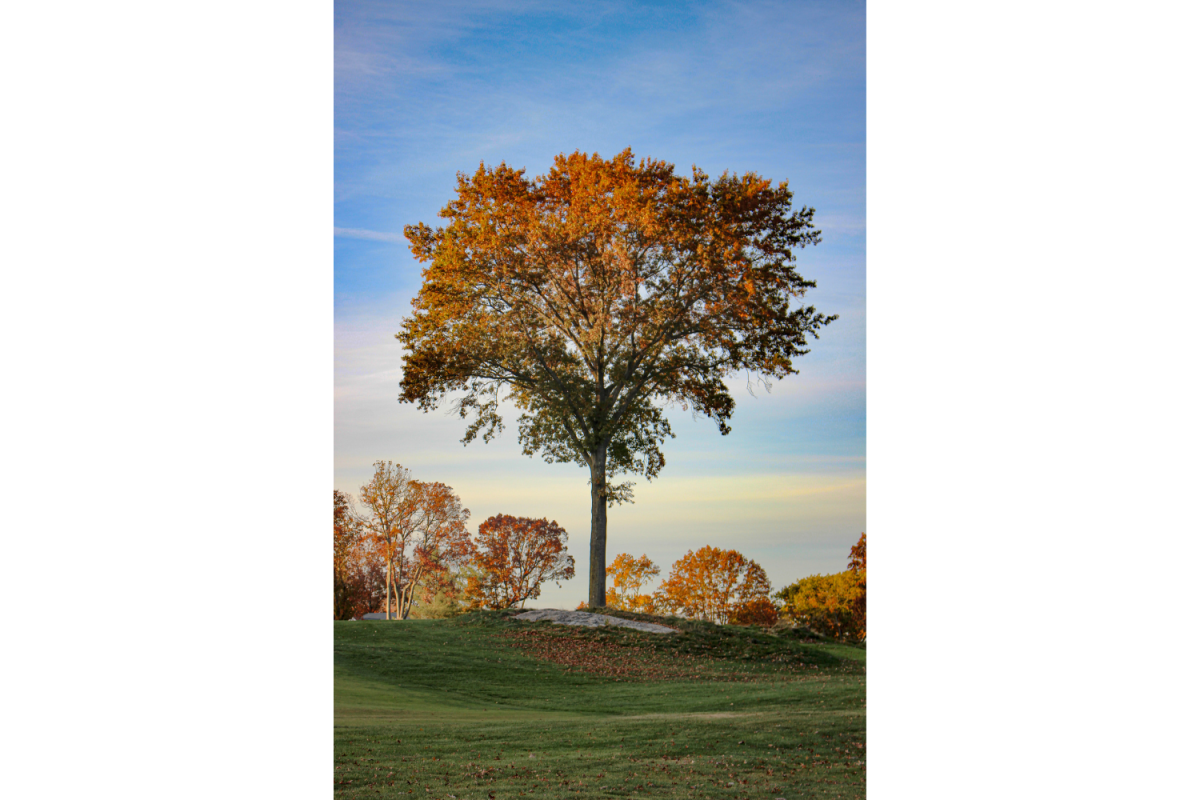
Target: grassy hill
pixel 482 706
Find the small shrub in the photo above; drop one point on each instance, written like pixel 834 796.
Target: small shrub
pixel 756 611
pixel 826 604
pixel 443 605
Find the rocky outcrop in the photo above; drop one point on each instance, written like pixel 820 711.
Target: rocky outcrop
pixel 590 620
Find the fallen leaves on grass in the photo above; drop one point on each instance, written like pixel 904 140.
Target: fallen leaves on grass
pixel 621 661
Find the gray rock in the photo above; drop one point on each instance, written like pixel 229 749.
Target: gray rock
pixel 379 615
pixel 589 620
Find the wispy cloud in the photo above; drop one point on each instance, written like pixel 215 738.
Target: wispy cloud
pixel 374 236
pixel 842 223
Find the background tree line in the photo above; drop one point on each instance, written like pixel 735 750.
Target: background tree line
pixel 724 586
pixel 408 539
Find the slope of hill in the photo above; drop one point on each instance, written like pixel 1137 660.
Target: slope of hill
pixel 482 706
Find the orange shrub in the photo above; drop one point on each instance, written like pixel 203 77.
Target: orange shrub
pixel 758 611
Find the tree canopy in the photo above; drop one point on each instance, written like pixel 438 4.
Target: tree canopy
pixel 598 294
pixel 628 575
pixel 514 556
pixel 715 585
pixel 420 529
pixel 358 575
pixel 832 605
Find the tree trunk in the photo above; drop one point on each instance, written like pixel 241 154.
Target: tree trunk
pixel 387 603
pixel 406 599
pixel 401 589
pixel 596 586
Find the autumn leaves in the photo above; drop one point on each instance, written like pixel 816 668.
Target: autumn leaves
pixel 598 294
pixel 411 537
pixel 514 556
pixel 720 586
pixel 711 584
pixel 411 540
pixel 628 574
pixel 726 587
pixel 833 605
pixel 415 533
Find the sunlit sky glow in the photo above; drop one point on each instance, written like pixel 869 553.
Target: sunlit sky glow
pixel 423 91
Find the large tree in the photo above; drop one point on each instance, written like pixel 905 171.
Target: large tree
pixel 598 294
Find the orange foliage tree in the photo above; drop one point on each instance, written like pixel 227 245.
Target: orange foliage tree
pixel 420 530
pixel 832 605
pixel 514 556
pixel 598 293
pixel 716 585
pixel 628 575
pixel 440 543
pixel 358 576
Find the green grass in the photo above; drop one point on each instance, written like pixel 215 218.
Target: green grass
pixel 485 707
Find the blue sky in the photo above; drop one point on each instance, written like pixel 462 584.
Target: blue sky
pixel 423 92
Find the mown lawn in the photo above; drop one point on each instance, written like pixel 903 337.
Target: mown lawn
pixel 485 707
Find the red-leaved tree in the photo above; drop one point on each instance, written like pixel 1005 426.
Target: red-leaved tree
pixel 359 580
pixel 514 557
pixel 758 611
pixel 715 585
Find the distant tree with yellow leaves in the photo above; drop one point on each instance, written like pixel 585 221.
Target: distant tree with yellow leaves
pixel 832 605
pixel 629 575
